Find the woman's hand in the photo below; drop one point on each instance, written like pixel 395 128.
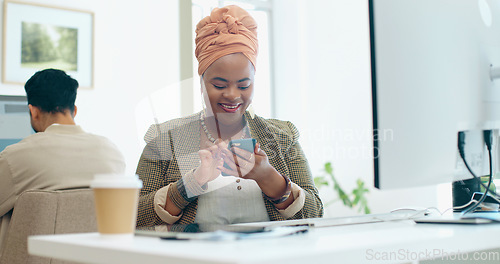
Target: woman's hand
pixel 211 160
pixel 249 165
pixel 256 166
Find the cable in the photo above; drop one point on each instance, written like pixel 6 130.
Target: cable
pixel 452 208
pixel 463 206
pixel 485 194
pixel 488 141
pixel 461 143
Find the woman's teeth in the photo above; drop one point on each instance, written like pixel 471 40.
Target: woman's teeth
pixel 230 106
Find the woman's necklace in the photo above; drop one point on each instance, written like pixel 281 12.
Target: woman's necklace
pixel 209 136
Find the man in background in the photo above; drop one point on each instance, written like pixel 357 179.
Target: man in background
pixel 60 155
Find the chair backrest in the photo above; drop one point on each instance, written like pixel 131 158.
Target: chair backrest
pixel 39 212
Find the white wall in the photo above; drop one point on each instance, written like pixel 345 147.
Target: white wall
pixel 324 87
pixel 136 52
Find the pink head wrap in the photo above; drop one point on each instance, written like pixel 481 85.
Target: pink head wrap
pixel 226 31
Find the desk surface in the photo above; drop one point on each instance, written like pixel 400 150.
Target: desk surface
pixel 396 241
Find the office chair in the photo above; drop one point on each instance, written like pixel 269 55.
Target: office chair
pixel 39 212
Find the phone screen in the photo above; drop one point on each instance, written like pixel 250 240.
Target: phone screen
pixel 247 144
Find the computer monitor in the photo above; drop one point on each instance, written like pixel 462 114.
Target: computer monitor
pixel 434 73
pixel 14 120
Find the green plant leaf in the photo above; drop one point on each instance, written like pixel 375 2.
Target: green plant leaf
pixel 320 181
pixel 336 186
pixel 328 168
pixel 358 194
pixel 360 198
pixel 367 210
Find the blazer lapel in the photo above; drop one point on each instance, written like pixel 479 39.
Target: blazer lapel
pixel 186 144
pixel 268 138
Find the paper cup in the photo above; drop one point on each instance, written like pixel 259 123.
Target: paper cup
pixel 116 199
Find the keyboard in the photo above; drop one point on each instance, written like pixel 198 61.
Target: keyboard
pixel 475 218
pixel 340 221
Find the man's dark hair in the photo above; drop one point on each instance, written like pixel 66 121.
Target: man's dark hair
pixel 52 91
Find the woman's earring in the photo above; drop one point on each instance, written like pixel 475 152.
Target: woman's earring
pixel 251 111
pixel 203 102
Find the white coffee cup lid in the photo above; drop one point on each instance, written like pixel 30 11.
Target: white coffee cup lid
pixel 116 181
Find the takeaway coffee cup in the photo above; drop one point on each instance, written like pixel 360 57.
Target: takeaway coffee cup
pixel 116 198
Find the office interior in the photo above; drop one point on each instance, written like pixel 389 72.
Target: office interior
pixel 319 63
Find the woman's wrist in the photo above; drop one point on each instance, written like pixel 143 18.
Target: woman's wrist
pixel 285 195
pixel 185 190
pixel 171 207
pixel 177 195
pixel 182 186
pixel 275 187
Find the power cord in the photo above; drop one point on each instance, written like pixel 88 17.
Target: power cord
pixel 489 142
pixel 461 143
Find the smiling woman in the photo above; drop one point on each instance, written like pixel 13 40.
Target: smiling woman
pixel 228 85
pixel 261 11
pixel 189 173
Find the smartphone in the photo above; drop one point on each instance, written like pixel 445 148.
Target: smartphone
pixel 247 144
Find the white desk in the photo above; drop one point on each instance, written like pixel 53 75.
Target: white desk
pixel 388 242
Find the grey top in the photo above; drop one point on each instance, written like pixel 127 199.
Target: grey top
pixel 231 200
